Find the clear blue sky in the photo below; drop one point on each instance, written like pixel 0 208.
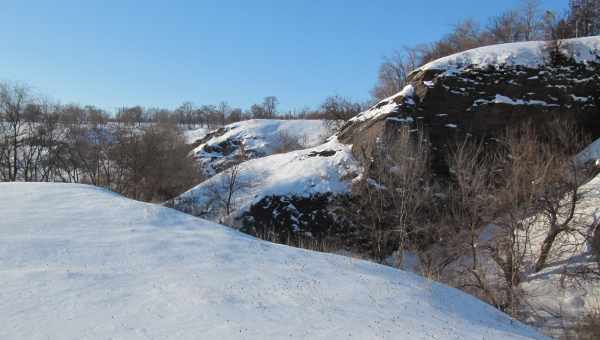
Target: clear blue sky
pixel 161 53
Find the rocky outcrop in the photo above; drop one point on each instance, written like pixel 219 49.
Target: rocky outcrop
pixel 450 98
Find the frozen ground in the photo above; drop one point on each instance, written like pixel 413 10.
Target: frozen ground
pixel 78 262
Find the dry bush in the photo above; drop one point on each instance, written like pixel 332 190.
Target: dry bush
pixel 390 199
pixel 289 142
pixel 588 328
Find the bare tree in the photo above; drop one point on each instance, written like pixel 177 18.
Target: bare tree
pixel 530 18
pixel 393 73
pixel 470 202
pixel 270 106
pixel 228 184
pixel 506 28
pixel 13 101
pixel 584 17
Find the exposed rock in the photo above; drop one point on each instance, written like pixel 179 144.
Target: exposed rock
pixel 482 100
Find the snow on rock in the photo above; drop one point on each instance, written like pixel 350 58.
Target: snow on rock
pixel 500 99
pixel 529 54
pixel 387 105
pixel 259 137
pixel 79 262
pixel 327 168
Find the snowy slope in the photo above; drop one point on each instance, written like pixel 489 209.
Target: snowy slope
pixel 192 135
pixel 327 168
pixel 548 291
pixel 78 262
pixel 529 54
pixel 259 137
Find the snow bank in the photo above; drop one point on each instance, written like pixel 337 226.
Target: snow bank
pixel 529 54
pixel 78 262
pixel 327 168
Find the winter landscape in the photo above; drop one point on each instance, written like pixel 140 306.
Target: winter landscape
pixel 456 198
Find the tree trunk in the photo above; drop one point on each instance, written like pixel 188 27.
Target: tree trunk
pixel 545 250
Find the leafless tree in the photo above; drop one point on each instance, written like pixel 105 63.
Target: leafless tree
pixel 470 210
pixel 584 16
pixel 270 106
pixel 507 27
pixel 13 101
pixel 393 73
pixel 530 17
pixel 224 189
pixel 394 191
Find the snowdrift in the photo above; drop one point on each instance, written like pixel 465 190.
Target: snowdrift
pixel 80 262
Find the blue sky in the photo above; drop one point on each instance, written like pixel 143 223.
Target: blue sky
pixel 161 53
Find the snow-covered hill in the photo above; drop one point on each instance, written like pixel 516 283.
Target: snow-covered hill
pixel 529 54
pixel 259 138
pixel 79 262
pixel 327 168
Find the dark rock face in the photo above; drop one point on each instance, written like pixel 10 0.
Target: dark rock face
pixel 217 157
pixel 294 219
pixel 484 101
pixel 285 217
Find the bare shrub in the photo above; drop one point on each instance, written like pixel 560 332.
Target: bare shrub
pixel 588 328
pixel 394 191
pixel 288 142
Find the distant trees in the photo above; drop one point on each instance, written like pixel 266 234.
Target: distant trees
pixel 13 101
pixel 270 106
pixel 584 17
pixel 44 142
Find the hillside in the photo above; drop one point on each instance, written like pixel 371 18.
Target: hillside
pixel 481 91
pixel 324 169
pixel 484 90
pixel 81 262
pixel 219 149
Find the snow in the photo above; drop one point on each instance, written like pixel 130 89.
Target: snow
pixel 590 153
pixel 501 99
pixel 559 301
pixel 79 262
pixel 386 106
pixel 529 54
pixel 261 137
pixel 192 135
pixel 300 173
